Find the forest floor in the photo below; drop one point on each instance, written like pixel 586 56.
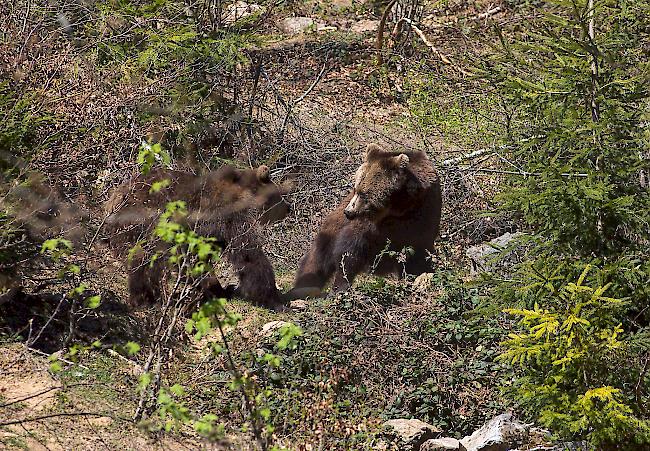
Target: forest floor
pixel 386 349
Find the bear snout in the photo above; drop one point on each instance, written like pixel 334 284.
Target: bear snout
pixel 352 207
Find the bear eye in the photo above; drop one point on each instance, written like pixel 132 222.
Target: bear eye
pixel 362 195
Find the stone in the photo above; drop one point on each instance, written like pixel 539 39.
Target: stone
pixel 411 433
pixel 297 25
pixel 481 256
pixel 298 304
pixel 269 328
pixel 423 282
pixel 240 10
pixel 364 26
pixel 501 433
pixel 442 444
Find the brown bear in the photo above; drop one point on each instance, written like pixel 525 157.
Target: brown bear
pixel 395 203
pixel 229 205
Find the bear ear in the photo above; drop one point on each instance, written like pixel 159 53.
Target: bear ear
pixel 229 174
pixel 263 174
pixel 401 161
pixel 373 151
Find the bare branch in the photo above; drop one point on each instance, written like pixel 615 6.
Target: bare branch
pixel 488 13
pixel 54 415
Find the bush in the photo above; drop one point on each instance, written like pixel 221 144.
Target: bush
pixel 18 132
pixel 382 351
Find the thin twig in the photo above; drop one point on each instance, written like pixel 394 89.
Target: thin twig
pixel 47 390
pixel 54 415
pixel 433 48
pixel 249 403
pixel 488 13
pixel 479 152
pixel 522 173
pixel 469 156
pixel 136 365
pixel 69 362
pixel 637 389
pixel 312 86
pixel 31 342
pixel 292 104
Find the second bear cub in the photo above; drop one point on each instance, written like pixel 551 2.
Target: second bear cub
pixel 396 202
pixel 229 204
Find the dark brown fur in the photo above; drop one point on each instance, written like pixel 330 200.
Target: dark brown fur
pixel 228 204
pixel 396 198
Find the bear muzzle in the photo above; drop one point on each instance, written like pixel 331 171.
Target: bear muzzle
pixel 352 209
pixel 276 212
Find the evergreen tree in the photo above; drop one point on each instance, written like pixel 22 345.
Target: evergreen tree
pixel 577 77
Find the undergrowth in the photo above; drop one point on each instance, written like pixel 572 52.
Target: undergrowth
pixel 381 351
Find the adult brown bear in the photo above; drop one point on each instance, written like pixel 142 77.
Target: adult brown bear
pixel 395 203
pixel 228 204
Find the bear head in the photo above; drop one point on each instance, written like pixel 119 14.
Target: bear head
pixel 253 188
pixel 383 185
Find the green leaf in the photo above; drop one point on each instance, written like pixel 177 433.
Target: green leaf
pixel 132 347
pixel 55 367
pixel 93 302
pixel 287 333
pixel 144 381
pixel 177 389
pixel 159 185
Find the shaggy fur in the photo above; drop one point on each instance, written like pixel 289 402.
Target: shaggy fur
pixel 397 200
pixel 228 204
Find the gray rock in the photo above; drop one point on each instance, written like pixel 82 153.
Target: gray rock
pixel 411 433
pixel 564 446
pixel 297 25
pixel 340 5
pixel 442 444
pixel 482 256
pixel 240 10
pixel 269 328
pixel 501 433
pixel 423 282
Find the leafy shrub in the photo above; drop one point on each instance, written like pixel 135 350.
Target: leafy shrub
pixel 384 351
pixel 18 130
pixel 18 126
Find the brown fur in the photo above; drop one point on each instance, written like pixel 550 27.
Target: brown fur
pixel 396 198
pixel 228 204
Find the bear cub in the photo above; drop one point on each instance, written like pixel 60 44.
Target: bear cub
pixel 229 205
pixel 396 202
